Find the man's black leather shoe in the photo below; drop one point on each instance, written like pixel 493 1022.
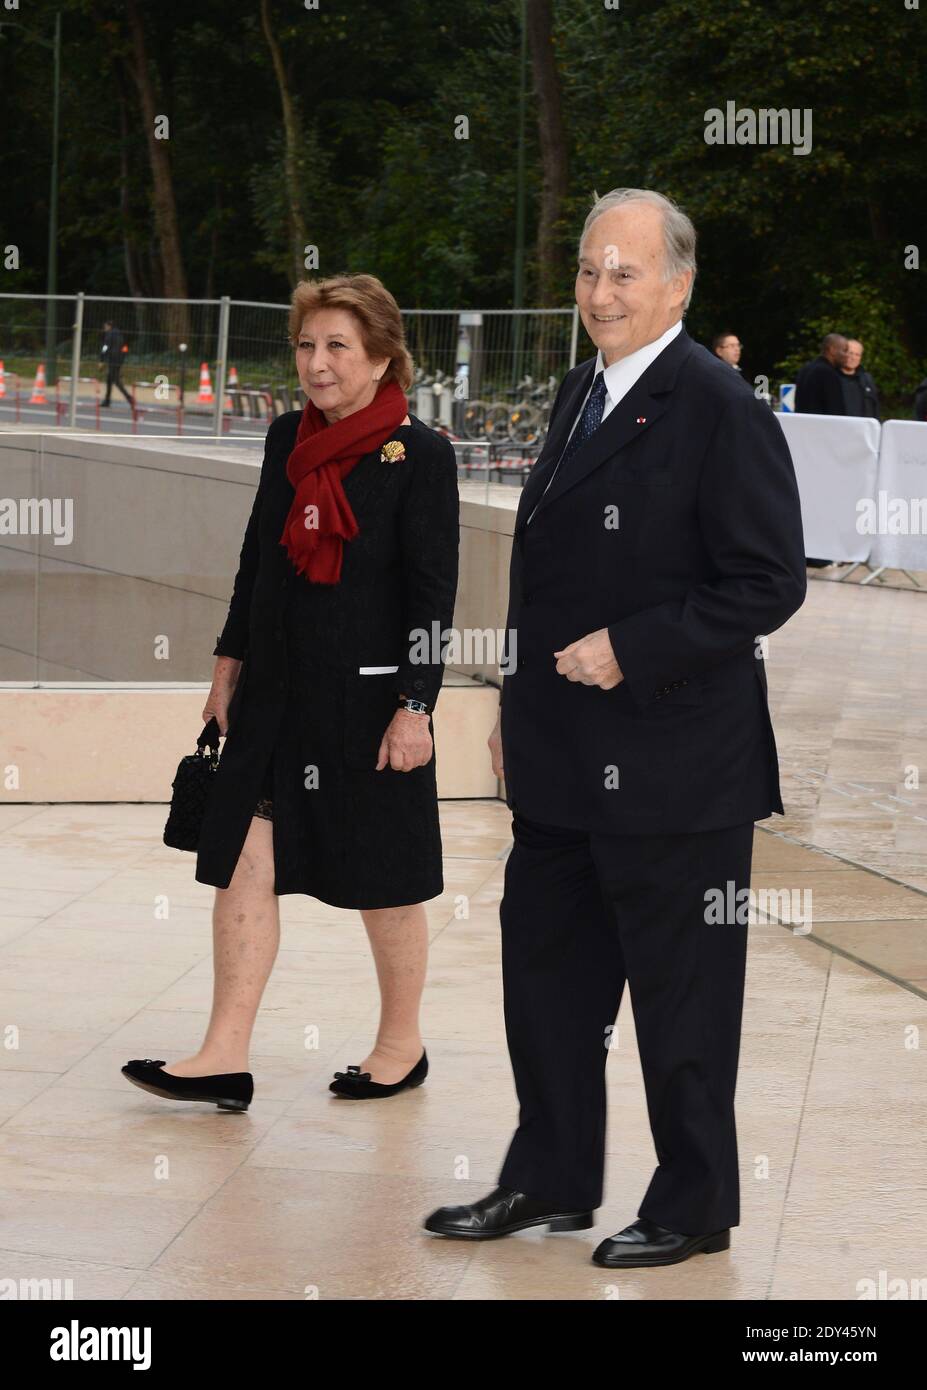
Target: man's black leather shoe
pixel 503 1212
pixel 644 1244
pixel 232 1090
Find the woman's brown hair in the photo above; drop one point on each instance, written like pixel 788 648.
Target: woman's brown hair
pixel 375 309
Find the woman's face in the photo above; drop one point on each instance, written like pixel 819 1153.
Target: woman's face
pixel 333 367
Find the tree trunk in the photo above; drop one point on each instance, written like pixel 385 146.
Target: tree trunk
pixel 129 256
pixel 174 278
pixel 553 274
pixel 209 291
pixel 296 222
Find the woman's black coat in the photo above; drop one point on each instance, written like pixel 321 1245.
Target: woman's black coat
pixel 304 724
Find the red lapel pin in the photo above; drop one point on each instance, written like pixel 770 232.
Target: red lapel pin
pixel 642 419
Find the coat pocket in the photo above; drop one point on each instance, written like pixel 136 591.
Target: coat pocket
pixel 641 474
pixel 370 701
pixel 682 696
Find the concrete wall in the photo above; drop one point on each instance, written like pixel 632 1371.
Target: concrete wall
pixel 118 626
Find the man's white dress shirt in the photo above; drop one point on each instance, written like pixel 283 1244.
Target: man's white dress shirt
pixel 619 378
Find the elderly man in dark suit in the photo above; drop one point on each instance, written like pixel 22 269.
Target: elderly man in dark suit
pixel 657 540
pixel 860 396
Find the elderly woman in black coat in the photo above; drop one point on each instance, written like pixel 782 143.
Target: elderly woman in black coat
pixel 327 671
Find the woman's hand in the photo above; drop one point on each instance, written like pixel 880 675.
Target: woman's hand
pixel 407 742
pixel 224 680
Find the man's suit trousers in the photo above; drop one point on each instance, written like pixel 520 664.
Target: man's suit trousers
pixel 581 914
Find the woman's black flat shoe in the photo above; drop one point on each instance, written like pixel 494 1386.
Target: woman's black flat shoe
pixel 231 1090
pixel 355 1084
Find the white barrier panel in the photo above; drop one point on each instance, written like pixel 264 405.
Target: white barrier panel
pixel 836 461
pixel 898 508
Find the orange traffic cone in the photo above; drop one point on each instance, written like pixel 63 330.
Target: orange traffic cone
pixel 232 381
pixel 38 396
pixel 205 396
pixel 2 379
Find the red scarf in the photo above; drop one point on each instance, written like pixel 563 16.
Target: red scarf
pixel 322 456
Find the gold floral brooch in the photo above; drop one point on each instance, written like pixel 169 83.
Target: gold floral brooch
pixel 393 451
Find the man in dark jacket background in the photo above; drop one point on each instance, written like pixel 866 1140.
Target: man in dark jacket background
pixel 728 347
pixel 111 358
pixel 859 390
pixel 819 387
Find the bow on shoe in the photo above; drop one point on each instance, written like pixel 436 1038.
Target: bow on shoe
pixel 352 1074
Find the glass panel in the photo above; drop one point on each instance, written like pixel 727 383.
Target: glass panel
pixel 126 566
pixel 119 554
pixel 19 555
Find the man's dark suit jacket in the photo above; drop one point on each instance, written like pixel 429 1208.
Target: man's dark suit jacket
pixel 707 556
pixel 111 345
pixel 860 396
pixel 819 389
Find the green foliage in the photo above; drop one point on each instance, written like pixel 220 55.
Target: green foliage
pixel 787 243
pixel 857 310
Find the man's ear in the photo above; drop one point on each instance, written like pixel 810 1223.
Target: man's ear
pixel 681 285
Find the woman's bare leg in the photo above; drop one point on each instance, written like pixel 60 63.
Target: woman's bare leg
pixel 246 937
pixel 399 940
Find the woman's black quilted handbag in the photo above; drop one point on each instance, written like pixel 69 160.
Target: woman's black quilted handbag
pixel 191 791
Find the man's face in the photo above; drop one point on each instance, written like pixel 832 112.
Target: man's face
pixel 836 352
pixel 729 350
pixel 853 355
pixel 623 300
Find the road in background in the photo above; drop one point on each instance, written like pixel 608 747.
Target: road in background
pixel 117 419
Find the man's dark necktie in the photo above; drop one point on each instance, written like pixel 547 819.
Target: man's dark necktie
pixel 586 426
pixel 589 421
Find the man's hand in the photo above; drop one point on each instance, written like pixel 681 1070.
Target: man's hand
pixel 407 742
pixel 495 748
pixel 591 661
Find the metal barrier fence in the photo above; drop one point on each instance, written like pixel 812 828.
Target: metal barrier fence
pixel 464 358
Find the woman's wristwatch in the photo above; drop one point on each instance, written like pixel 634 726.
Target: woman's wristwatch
pixel 414 706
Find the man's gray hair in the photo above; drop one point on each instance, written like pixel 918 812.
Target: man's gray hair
pixel 678 231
